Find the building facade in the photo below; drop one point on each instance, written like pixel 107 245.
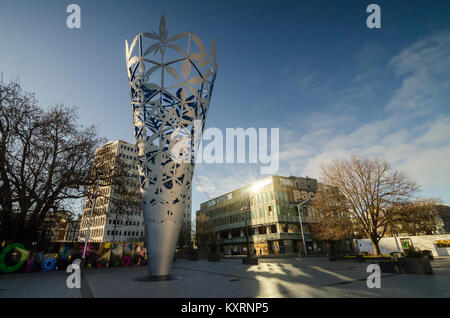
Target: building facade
pixel 54 227
pixel 444 220
pixel 72 230
pixel 267 214
pixel 109 223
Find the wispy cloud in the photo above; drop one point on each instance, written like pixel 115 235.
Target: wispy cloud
pixel 407 133
pixel 410 127
pixel 424 71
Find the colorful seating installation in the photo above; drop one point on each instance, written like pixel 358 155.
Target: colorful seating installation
pixel 15 257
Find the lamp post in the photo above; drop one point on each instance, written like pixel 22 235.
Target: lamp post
pixel 301 228
pixel 86 238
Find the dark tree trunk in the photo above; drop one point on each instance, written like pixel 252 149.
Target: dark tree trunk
pixel 376 245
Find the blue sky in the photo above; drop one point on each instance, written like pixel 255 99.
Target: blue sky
pixel 311 68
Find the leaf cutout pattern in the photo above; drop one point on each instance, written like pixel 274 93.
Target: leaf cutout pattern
pixel 163 103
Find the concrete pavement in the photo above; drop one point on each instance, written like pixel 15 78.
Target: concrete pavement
pixel 309 277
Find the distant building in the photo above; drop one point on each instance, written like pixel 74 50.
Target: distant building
pixel 108 223
pixel 53 227
pixel 73 229
pixel 269 209
pixel 443 226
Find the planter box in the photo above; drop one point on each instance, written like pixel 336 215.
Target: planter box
pixel 415 265
pixel 250 261
pixel 389 267
pixel 428 254
pixel 213 257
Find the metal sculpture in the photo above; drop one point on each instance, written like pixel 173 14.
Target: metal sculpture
pixel 171 82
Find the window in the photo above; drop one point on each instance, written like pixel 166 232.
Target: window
pixel 273 228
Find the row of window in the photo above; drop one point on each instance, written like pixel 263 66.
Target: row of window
pixel 98 233
pixel 260 198
pixel 269 229
pixel 120 222
pixel 234 206
pixel 125 156
pixel 94 233
pixel 265 197
pixel 125 233
pixel 262 212
pixel 128 148
pixel 95 222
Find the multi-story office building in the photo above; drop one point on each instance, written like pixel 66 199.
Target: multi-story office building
pixel 268 211
pixel 109 222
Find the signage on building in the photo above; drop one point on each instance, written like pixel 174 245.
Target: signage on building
pixel 303 195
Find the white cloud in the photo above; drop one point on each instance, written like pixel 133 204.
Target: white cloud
pixel 425 158
pixel 439 132
pixel 411 136
pixel 406 131
pixel 424 69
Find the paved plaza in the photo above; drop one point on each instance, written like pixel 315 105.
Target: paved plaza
pixel 309 277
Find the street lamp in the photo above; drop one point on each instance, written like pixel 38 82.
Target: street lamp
pixel 86 238
pixel 301 228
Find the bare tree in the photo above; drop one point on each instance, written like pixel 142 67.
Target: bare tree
pixel 366 189
pixel 184 238
pixel 46 159
pixel 203 233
